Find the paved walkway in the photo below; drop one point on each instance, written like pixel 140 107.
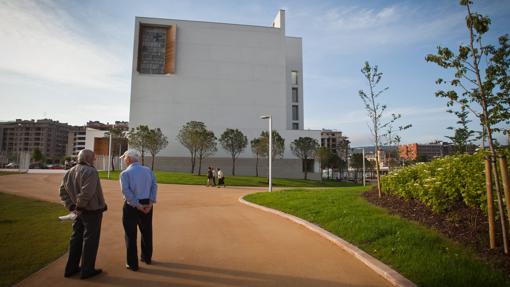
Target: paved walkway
pixel 203 237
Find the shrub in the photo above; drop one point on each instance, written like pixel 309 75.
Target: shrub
pixel 443 182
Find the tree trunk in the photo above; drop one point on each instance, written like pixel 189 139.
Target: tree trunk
pixel 193 157
pixel 257 166
pixel 111 160
pixel 506 182
pixel 199 164
pixel 153 160
pixel 233 166
pixel 306 168
pixel 490 203
pixel 485 122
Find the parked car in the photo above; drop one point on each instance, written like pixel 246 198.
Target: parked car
pixel 37 165
pixel 55 166
pixel 11 165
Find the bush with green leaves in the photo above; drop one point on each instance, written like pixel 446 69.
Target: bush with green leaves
pixel 443 182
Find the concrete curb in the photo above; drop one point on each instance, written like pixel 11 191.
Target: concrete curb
pixel 392 276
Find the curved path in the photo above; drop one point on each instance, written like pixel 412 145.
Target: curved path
pixel 203 237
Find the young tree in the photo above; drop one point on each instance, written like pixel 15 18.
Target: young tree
pixel 278 144
pixel 155 143
pixel 206 147
pixel 304 148
pixel 233 141
pixel 37 155
pixel 258 147
pixel 190 137
pixel 118 138
pixel 322 153
pixel 481 83
pixel 462 136
pixel 375 111
pixel 137 139
pixel 357 164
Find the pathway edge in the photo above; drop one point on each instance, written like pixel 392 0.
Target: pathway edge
pixel 392 276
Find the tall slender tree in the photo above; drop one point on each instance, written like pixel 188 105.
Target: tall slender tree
pixel 378 124
pixel 155 143
pixel 190 137
pixel 304 148
pixel 463 135
pixel 481 83
pixel 233 141
pixel 206 147
pixel 258 147
pixel 322 154
pixel 137 139
pixel 278 146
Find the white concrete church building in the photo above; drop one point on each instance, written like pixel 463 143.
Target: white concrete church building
pixel 225 75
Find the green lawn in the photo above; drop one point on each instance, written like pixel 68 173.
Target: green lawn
pixel 31 236
pixel 420 254
pixel 187 178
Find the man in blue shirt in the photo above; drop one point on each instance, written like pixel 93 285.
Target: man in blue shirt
pixel 139 188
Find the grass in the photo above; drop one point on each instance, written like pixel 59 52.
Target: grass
pixel 420 254
pixel 31 236
pixel 187 178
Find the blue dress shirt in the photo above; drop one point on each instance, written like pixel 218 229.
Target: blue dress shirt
pixel 138 182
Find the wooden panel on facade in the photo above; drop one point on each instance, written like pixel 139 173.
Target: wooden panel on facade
pixel 101 146
pixel 170 49
pixel 139 58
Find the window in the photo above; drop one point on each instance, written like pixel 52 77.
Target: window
pixel 156 49
pixel 295 113
pixel 295 126
pixel 294 77
pixel 294 95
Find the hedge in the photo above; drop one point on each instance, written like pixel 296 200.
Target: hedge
pixel 443 182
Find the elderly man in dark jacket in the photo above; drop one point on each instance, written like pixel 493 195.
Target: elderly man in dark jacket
pixel 81 193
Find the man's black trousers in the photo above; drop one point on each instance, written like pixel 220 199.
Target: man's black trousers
pixel 84 242
pixel 131 218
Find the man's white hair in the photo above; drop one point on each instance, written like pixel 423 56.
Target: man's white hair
pixel 86 156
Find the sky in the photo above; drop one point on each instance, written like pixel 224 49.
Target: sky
pixel 71 60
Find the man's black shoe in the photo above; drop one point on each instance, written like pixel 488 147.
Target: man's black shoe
pixel 148 262
pixel 68 274
pixel 91 274
pixel 132 268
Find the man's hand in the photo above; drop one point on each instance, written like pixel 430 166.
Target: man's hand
pixel 147 208
pixel 141 208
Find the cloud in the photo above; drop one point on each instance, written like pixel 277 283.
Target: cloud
pixel 354 29
pixel 360 116
pixel 40 39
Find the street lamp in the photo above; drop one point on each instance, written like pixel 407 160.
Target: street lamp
pixel 270 150
pixel 19 149
pixel 109 154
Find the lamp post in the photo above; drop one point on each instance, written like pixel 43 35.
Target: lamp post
pixel 109 154
pixel 19 149
pixel 270 150
pixel 364 176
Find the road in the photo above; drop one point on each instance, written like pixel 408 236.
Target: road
pixel 203 237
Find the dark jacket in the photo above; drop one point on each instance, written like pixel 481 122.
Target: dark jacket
pixel 81 189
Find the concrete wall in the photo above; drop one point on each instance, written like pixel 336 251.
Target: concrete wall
pixel 226 76
pixel 282 168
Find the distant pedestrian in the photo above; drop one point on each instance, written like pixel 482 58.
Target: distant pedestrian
pixel 139 188
pixel 215 175
pixel 82 194
pixel 221 178
pixel 209 177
